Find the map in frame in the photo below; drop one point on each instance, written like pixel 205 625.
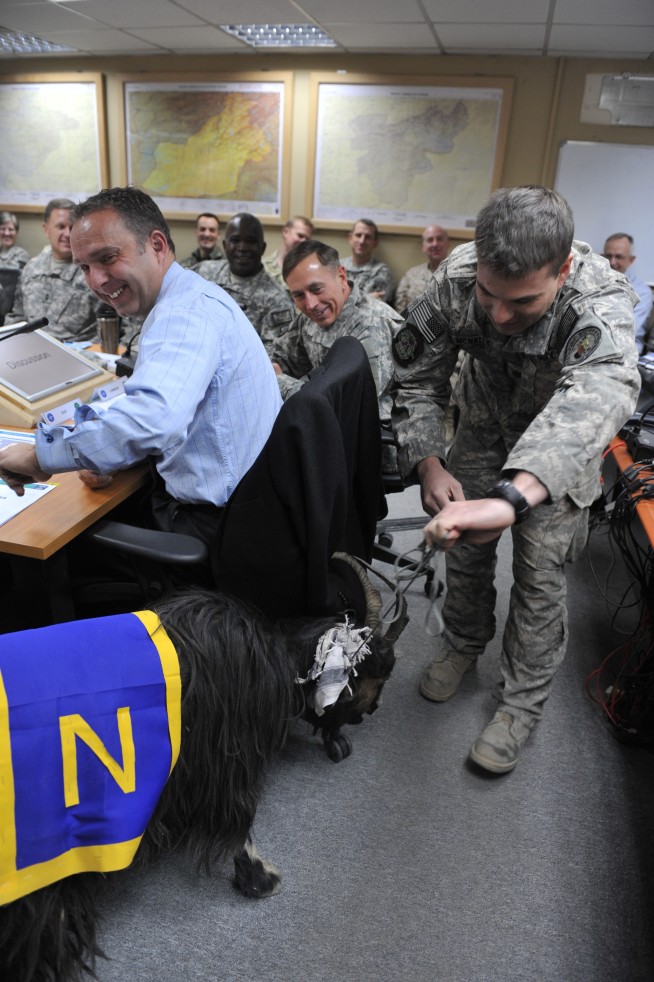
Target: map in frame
pixel 51 144
pixel 406 155
pixel 207 145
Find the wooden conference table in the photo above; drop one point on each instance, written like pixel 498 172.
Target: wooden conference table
pixel 34 540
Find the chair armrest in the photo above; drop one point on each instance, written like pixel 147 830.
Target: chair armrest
pixel 163 547
pixel 387 436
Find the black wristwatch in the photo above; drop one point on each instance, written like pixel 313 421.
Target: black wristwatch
pixel 504 489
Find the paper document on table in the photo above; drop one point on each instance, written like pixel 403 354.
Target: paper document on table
pixel 11 504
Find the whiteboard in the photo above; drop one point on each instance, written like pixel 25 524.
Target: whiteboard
pixel 610 187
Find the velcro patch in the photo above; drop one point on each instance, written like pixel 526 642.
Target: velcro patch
pixel 581 345
pixel 408 344
pixel 421 314
pixel 281 317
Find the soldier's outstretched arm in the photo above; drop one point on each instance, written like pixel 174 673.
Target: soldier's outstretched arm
pixel 484 519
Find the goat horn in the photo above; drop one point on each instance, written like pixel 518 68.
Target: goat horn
pixel 373 596
pixel 374 602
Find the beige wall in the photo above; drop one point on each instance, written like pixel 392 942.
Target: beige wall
pixel 546 106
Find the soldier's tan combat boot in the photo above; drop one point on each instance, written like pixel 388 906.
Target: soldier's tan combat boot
pixel 441 679
pixel 499 746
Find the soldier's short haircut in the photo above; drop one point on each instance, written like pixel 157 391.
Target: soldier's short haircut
pixel 63 203
pixel 326 255
pixel 208 214
pixel 139 213
pixel 251 219
pixel 299 218
pixel 522 229
pixel 8 217
pixel 369 222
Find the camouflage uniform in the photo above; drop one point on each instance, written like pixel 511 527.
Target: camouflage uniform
pixel 273 267
pixel 546 401
pixel 264 303
pixel 14 258
pixel 58 291
pixel 373 277
pixel 413 283
pixel 196 257
pixel 305 344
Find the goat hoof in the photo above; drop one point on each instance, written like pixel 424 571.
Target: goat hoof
pixel 254 876
pixel 338 748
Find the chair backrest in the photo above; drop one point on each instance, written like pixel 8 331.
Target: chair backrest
pixel 314 490
pixel 8 280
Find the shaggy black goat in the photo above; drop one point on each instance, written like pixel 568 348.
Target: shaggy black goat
pixel 238 682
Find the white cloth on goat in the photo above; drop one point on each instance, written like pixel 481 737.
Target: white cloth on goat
pixel 337 653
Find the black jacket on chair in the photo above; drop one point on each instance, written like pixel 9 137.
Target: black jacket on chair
pixel 314 489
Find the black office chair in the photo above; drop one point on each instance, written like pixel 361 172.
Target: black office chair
pixel 314 490
pixel 8 280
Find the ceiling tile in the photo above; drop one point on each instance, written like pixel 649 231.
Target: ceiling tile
pixel 369 12
pixel 491 37
pixel 626 12
pixel 184 39
pixel 616 39
pixel 388 36
pixel 244 11
pixel 40 18
pixel 128 13
pixel 101 42
pixel 481 11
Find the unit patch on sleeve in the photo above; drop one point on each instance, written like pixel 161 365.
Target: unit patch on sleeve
pixel 581 345
pixel 421 325
pixel 408 344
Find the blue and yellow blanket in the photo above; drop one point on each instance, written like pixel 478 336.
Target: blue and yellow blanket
pixel 90 718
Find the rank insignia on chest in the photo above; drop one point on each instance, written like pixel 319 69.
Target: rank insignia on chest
pixel 408 345
pixel 279 317
pixel 581 345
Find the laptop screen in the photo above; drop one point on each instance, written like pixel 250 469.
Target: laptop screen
pixel 36 365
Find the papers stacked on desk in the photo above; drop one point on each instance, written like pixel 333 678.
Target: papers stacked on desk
pixel 10 503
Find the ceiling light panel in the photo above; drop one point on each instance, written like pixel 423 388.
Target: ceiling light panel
pixel 280 35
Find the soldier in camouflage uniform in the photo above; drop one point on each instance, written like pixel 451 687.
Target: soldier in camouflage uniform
pixel 12 256
pixel 265 304
pixel 332 307
pixel 548 378
pixel 297 229
pixel 207 231
pixel 435 242
pixel 370 275
pixel 52 286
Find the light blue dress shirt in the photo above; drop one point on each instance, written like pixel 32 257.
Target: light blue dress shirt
pixel 201 401
pixel 642 308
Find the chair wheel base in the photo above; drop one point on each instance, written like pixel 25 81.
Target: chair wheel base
pixel 338 747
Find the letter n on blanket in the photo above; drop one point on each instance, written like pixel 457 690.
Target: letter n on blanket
pixel 90 718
